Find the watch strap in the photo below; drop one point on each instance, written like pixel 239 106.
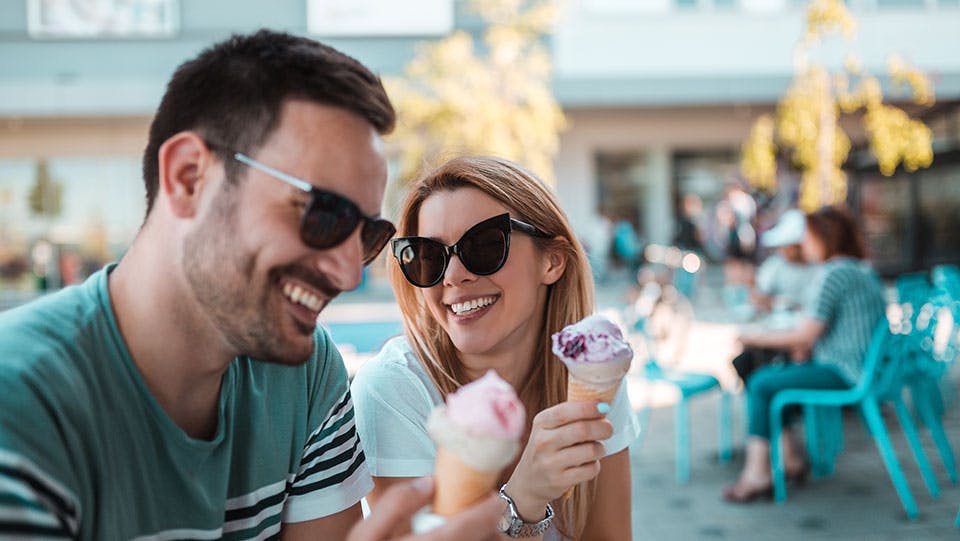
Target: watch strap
pixel 514 526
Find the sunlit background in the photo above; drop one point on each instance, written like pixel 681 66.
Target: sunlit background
pixel 633 109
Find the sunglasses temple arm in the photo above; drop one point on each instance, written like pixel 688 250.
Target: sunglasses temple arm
pixel 289 179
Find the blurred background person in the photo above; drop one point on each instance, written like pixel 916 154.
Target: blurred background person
pixel 827 346
pixel 782 287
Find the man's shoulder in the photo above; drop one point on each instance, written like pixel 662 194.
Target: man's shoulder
pixel 40 334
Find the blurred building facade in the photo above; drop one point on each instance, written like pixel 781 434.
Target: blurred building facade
pixel 659 95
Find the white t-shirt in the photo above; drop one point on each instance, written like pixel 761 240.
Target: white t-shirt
pixel 779 277
pixel 393 397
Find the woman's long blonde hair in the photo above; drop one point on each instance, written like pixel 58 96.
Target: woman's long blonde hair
pixel 569 299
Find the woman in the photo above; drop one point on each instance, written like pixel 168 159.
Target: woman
pixel 486 269
pixel 828 346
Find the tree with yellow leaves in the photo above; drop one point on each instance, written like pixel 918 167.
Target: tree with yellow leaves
pixel 458 97
pixel 806 122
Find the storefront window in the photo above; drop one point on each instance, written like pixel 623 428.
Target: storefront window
pixel 885 210
pixel 62 219
pixel 939 216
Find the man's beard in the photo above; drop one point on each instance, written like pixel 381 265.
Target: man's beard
pixel 245 308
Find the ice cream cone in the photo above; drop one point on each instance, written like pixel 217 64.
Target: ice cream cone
pixel 477 434
pixel 581 390
pixel 596 356
pixel 458 486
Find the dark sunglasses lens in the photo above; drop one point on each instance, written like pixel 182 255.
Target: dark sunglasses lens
pixel 422 261
pixel 375 235
pixel 328 220
pixel 484 251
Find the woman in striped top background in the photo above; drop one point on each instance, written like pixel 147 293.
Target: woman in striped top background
pixel 827 346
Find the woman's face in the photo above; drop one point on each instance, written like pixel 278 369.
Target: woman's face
pixel 814 250
pixel 510 302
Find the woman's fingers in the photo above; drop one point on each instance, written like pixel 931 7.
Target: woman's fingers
pixel 572 434
pixel 565 413
pixel 578 474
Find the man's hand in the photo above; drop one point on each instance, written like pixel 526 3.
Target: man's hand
pixel 400 502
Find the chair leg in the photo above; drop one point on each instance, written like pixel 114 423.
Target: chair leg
pixel 831 419
pixel 682 431
pixel 933 422
pixel 910 432
pixel 726 427
pixel 812 431
pixel 874 420
pixel 776 455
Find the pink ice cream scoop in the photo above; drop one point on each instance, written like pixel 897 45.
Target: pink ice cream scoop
pixel 489 407
pixel 594 339
pixel 477 433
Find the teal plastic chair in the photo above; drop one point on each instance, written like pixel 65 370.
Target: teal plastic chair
pixel 880 376
pixel 941 337
pixel 915 293
pixel 688 384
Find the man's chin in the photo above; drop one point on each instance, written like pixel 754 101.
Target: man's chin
pixel 290 357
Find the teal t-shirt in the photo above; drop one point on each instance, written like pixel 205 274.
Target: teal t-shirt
pixel 87 453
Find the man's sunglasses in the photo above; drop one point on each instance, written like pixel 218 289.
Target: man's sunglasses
pixel 330 218
pixel 483 250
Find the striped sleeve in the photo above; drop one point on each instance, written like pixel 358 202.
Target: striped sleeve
pixel 332 475
pixel 33 504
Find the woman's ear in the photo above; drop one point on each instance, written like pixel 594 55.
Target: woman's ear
pixel 554 261
pixel 184 160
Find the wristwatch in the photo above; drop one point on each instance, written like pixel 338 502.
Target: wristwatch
pixel 514 526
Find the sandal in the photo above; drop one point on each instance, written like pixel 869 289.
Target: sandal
pixel 739 492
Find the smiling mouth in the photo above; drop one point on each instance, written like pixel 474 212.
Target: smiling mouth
pixel 473 306
pixel 303 297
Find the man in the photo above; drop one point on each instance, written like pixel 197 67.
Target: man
pixel 783 285
pixel 784 277
pixel 186 392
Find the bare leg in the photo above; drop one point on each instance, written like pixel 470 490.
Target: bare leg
pixel 794 459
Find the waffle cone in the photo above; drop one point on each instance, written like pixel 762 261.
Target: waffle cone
pixel 577 390
pixel 458 486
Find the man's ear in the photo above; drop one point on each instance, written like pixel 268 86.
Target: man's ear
pixel 554 262
pixel 185 162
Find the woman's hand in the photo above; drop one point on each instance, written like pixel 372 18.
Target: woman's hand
pixel 564 449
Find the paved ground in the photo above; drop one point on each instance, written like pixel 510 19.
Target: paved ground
pixel 857 502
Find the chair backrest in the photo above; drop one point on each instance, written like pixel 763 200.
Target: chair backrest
pixel 946 278
pixel 937 334
pixel 914 288
pixel 881 369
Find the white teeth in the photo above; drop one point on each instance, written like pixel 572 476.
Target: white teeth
pixel 303 297
pixel 463 308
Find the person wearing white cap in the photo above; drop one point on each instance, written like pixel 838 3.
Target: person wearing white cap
pixel 782 285
pixel 783 279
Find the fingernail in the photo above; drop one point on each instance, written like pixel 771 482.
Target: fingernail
pixel 603 408
pixel 423 484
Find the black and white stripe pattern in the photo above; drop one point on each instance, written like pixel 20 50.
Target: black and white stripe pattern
pixel 34 503
pixel 332 454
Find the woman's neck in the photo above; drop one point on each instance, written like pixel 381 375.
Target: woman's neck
pixel 512 360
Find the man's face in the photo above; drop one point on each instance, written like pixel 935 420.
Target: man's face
pixel 244 261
